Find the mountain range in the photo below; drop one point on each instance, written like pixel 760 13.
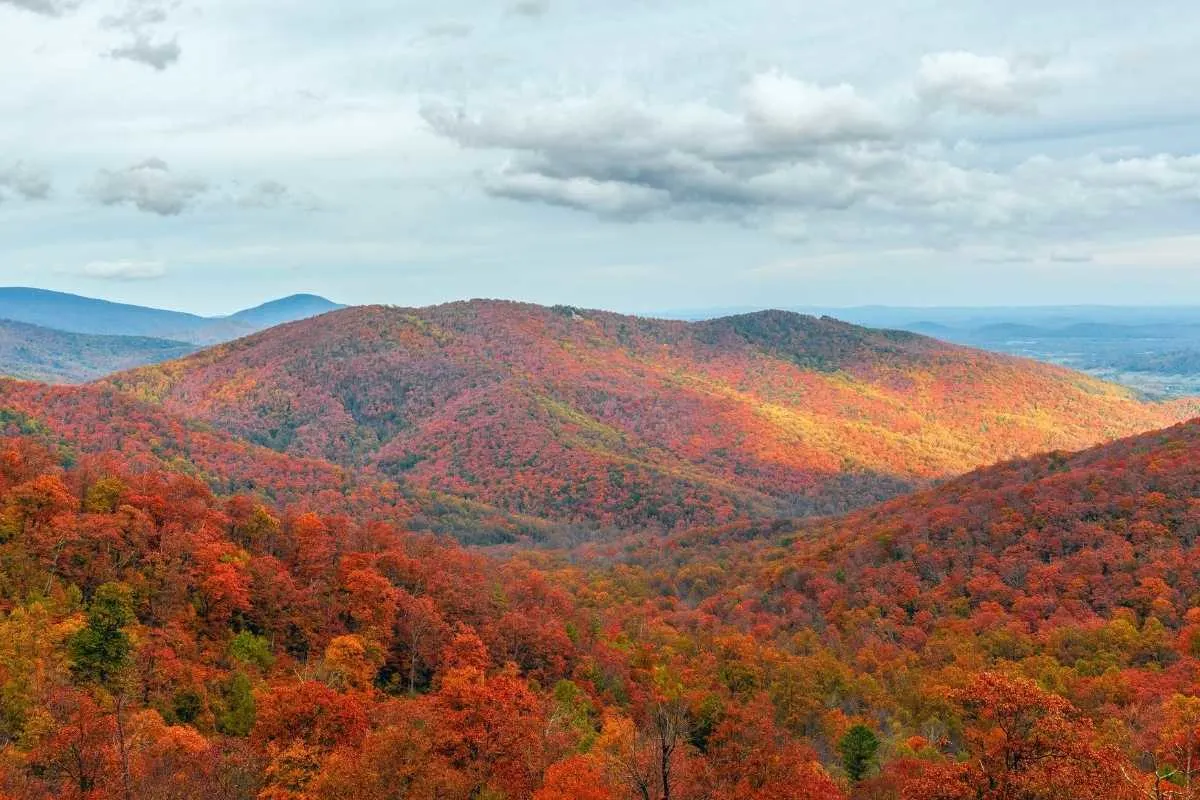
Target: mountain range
pixel 235 574
pixel 588 416
pixel 65 338
pixel 75 314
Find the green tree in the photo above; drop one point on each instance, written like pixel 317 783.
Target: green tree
pixel 573 710
pixel 100 652
pixel 237 718
pixel 250 649
pixel 858 748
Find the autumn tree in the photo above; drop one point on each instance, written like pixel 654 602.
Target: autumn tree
pixel 1023 743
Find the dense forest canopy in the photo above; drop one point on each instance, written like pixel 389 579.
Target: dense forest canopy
pixel 591 417
pixel 1025 631
pixel 205 596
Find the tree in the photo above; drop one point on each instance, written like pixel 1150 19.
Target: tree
pixel 647 759
pixel 350 663
pixel 1023 744
pixel 576 778
pixel 858 748
pixel 1178 751
pixel 237 718
pixel 100 652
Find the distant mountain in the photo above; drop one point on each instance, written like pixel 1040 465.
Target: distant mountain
pixel 287 309
pixel 75 314
pixel 35 353
pixel 590 416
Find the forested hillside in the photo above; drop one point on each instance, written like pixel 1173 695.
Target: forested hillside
pixel 42 354
pixel 595 417
pixel 90 421
pixel 161 642
pixel 1029 631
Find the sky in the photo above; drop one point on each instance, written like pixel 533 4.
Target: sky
pixel 637 155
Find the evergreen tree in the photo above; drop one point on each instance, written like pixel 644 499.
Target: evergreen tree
pixel 237 719
pixel 100 652
pixel 858 749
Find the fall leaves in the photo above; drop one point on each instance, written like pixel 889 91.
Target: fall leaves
pixel 611 421
pixel 1026 633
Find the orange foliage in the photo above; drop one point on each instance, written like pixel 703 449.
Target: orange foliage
pixel 594 417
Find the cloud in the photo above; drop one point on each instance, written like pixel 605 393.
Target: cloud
pixel 149 186
pixel 124 270
pixel 25 182
pixel 999 255
pixel 796 150
pixel 142 50
pixel 1162 172
pixel 985 84
pixel 530 8
pixel 791 145
pixel 136 17
pixel 49 8
pixel 1070 257
pixel 141 20
pixel 450 29
pixel 265 194
pixel 785 109
pixel 606 198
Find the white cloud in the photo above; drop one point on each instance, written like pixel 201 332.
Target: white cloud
pixel 606 198
pixel 797 149
pixel 785 109
pixel 142 50
pixel 986 84
pixel 124 270
pixel 530 8
pixel 623 111
pixel 24 181
pixel 149 186
pixel 271 194
pixel 1070 257
pixel 792 146
pixel 49 8
pixel 449 29
pixel 1162 172
pixel 265 194
pixel 136 17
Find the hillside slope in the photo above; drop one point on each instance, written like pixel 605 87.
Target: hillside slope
pixel 35 353
pixel 958 620
pixel 76 314
pixel 82 422
pixel 583 415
